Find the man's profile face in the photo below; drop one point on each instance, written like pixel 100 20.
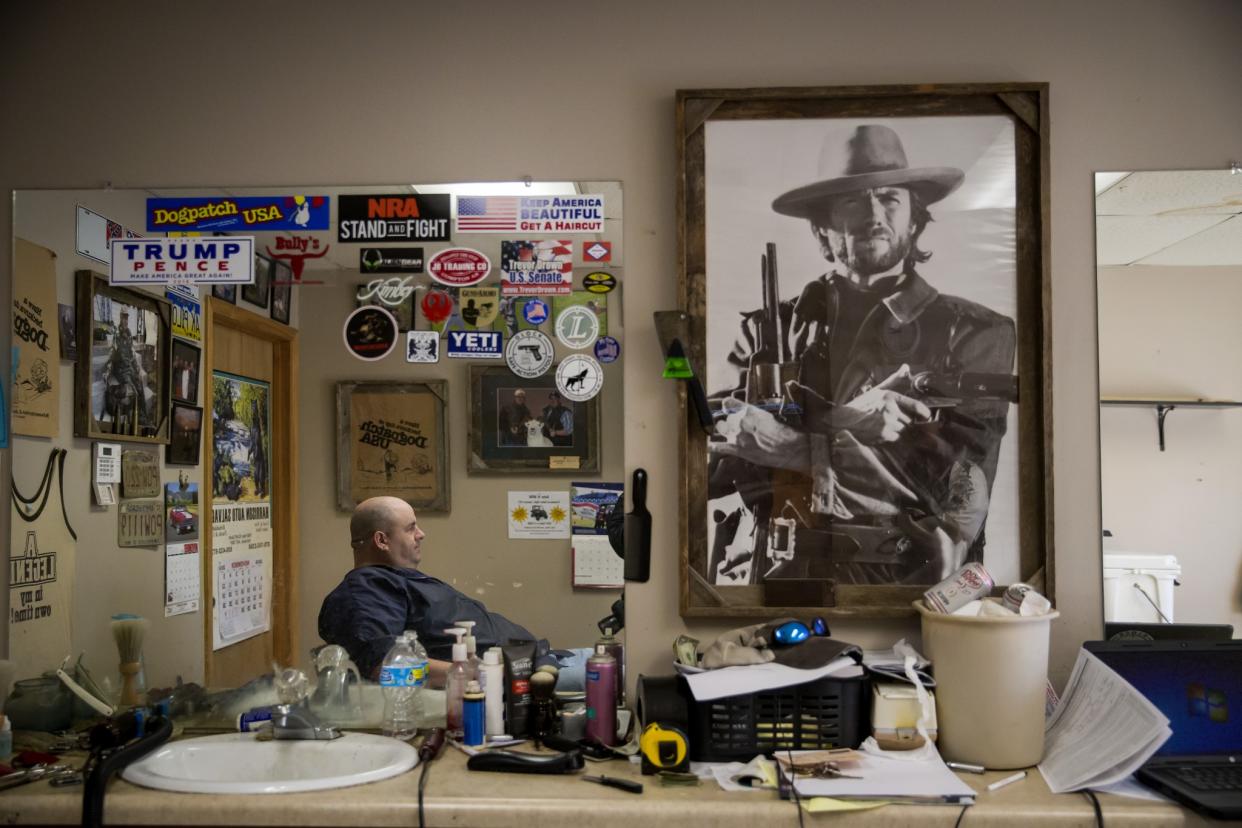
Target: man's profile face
pixel 519 397
pixel 869 231
pixel 404 538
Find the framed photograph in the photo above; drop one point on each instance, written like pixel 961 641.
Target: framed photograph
pixel 121 378
pixel 864 271
pixel 187 430
pixel 392 439
pixel 228 293
pixel 522 426
pixel 282 298
pixel 256 293
pixel 186 359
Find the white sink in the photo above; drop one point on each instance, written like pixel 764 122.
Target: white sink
pixel 238 763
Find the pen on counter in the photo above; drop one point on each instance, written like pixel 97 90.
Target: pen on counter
pixel 1008 780
pixel 613 782
pixel 966 767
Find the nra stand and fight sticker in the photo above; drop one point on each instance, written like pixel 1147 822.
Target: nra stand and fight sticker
pixel 599 282
pixel 370 333
pixel 529 354
pixel 372 218
pixel 579 377
pixel 459 267
pixel 577 326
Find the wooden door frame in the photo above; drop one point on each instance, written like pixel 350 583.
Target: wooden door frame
pixel 284 475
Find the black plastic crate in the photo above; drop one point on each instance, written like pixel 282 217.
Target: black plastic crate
pixel 825 713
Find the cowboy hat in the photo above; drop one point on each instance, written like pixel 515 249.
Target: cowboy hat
pixel 873 157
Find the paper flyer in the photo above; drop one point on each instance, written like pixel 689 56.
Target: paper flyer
pixel 538 515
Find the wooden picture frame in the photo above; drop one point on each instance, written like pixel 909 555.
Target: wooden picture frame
pixel 121 378
pixel 282 301
pixel 531 446
pixel 227 293
pixel 186 439
pixel 187 362
pixel 844 521
pixel 393 439
pixel 259 291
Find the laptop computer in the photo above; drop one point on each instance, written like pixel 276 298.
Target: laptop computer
pixel 1198 686
pixel 1114 630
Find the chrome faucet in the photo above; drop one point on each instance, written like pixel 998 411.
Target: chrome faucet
pixel 292 718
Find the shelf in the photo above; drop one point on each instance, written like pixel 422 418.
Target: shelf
pixel 1167 404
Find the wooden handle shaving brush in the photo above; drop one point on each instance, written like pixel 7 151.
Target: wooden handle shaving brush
pixel 128 631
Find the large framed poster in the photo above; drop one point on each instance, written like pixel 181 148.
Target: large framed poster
pixel 865 271
pixel 392 439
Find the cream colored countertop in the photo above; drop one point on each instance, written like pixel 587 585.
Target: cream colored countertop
pixel 460 798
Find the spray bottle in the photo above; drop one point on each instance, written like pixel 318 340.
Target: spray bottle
pixel 601 697
pixel 472 656
pixel 455 687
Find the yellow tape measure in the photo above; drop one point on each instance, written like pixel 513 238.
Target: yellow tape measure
pixel 663 747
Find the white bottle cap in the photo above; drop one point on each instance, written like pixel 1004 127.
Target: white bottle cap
pixel 492 656
pixel 473 687
pixel 459 651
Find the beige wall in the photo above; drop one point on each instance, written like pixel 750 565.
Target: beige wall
pixel 1173 332
pixel 233 93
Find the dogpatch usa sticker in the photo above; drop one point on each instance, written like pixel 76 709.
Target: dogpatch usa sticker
pixel 459 267
pixel 579 377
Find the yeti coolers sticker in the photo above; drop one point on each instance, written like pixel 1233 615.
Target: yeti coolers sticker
pixel 459 267
pixel 579 377
pixel 370 333
pixel 529 354
pixel 475 345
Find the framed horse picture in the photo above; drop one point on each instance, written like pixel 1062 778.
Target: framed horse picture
pixel 121 379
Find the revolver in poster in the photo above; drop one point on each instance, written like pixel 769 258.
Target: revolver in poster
pixel 948 389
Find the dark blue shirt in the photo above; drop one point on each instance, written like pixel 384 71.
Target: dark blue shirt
pixel 375 604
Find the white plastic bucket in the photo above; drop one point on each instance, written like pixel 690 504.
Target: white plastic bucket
pixel 991 674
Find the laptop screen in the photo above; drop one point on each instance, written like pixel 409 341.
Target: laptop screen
pixel 1199 689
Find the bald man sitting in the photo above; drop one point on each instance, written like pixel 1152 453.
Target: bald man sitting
pixel 385 594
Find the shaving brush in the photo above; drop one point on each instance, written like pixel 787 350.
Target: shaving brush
pixel 128 631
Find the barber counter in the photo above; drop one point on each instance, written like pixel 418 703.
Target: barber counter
pixel 461 798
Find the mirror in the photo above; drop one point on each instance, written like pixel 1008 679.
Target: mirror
pixel 1169 282
pixel 317 250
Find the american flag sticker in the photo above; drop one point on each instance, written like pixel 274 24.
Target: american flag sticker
pixel 487 214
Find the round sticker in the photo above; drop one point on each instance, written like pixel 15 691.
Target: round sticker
pixel 579 377
pixel 535 311
pixel 599 282
pixel 529 354
pixel 370 333
pixel 459 267
pixel 577 327
pixel 607 349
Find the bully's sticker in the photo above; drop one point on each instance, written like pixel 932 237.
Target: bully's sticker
pixel 475 345
pixel 296 251
pixel 579 377
pixel 529 354
pixel 599 282
pixel 535 266
pixel 370 333
pixel 597 251
pixel 535 311
pixel 422 346
pixel 607 349
pixel 369 218
pixel 479 306
pixel 459 267
pixel 577 327
pixel 390 260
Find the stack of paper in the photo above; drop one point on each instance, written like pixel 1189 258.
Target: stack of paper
pixel 908 776
pixel 1102 731
pixel 755 678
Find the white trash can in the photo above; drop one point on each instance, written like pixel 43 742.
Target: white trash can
pixel 991 674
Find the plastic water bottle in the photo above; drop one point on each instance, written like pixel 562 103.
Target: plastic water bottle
pixel 399 678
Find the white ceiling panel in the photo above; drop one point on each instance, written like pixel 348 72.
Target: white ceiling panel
pixel 1218 245
pixel 1123 240
pixel 1173 193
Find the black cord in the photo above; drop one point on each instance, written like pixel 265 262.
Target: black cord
pixel 1095 803
pixel 793 785
pixel 961 816
pixel 422 785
